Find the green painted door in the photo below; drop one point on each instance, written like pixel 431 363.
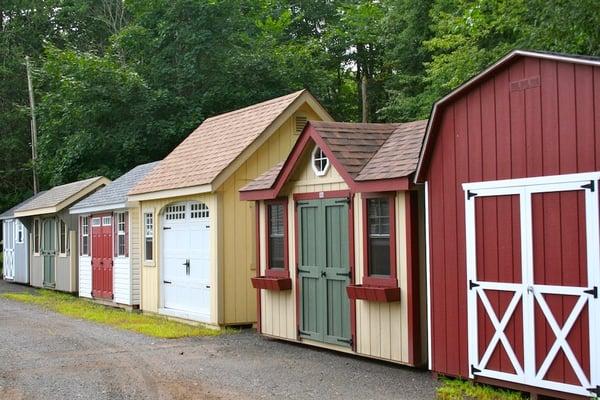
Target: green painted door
pixel 324 270
pixel 49 251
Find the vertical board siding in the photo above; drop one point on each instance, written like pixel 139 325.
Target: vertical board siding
pixel 492 132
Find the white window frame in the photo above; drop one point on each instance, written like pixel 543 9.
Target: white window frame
pixel 107 220
pixel 62 223
pixel 85 232
pixel 96 222
pixel 121 233
pixel 37 239
pixel 19 232
pixel 314 158
pixel 148 218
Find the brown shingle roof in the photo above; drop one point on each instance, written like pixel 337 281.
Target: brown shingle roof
pixel 367 151
pixel 58 194
pixel 213 146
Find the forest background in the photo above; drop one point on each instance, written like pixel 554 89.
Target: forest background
pixel 120 83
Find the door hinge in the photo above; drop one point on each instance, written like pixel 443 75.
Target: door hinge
pixel 343 201
pixel 167 282
pixel 349 341
pixel 473 284
pixel 303 333
pixel 470 194
pixel 112 296
pixel 303 271
pixel 593 291
pixel 166 228
pixel 474 370
pixel 591 186
pixel 595 390
pixel 301 203
pixel 348 274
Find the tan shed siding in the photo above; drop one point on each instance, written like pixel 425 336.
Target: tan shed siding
pixel 151 273
pixel 37 271
pixel 382 328
pixel 135 254
pixel 278 309
pixel 239 298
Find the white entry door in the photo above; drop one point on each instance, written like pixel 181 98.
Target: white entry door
pixel 9 250
pixel 186 277
pixel 533 278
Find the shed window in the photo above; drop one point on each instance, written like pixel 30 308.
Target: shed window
pixel 175 212
pixel 20 232
pixel 121 234
pixel 36 236
pixel 320 162
pixel 63 237
pixel 106 221
pixel 379 240
pixel 198 210
pixel 277 252
pixel 148 235
pixel 96 222
pixel 85 236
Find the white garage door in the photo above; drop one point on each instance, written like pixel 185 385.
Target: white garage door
pixel 186 279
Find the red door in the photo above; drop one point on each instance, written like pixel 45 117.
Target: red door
pixel 102 262
pixel 533 281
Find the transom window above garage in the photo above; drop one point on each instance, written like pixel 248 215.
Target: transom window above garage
pixel 320 162
pixel 175 212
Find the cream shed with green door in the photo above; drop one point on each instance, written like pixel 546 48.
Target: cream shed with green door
pixel 53 262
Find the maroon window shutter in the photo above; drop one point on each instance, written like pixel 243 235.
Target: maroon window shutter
pixel 126 234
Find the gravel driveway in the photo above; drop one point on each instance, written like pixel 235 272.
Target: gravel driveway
pixel 44 355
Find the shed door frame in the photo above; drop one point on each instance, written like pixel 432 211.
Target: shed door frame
pixel 529 293
pixel 9 240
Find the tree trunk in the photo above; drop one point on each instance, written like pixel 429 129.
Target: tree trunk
pixel 365 99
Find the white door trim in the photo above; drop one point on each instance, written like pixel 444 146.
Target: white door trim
pixel 531 293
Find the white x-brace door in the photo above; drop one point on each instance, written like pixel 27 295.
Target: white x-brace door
pixel 530 294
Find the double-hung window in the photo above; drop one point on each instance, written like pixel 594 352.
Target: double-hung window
pixel 277 249
pixel 148 236
pixel 20 232
pixel 63 238
pixel 85 236
pixel 36 236
pixel 379 240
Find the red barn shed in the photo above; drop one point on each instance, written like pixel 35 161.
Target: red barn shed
pixel 510 165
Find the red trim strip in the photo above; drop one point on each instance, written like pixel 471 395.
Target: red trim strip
pixel 296 241
pixel 391 280
pixel 257 249
pixel 352 269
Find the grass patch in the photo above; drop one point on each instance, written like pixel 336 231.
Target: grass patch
pixel 149 325
pixel 457 389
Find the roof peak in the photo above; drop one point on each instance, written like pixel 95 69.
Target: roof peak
pixel 257 105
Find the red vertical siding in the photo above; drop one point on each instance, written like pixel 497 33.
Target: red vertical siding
pixel 492 132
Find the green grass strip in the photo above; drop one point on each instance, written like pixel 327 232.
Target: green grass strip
pixel 457 389
pixel 150 325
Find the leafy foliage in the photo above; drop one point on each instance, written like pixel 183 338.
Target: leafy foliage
pixel 119 82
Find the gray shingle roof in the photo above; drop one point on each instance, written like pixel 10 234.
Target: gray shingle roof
pixel 59 194
pixel 10 213
pixel 116 192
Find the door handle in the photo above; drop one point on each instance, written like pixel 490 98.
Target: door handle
pixel 186 263
pixel 530 289
pixel 167 282
pixel 207 286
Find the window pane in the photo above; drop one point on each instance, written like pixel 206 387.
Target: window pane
pixel 84 245
pixel 276 236
pixel 379 236
pixel 379 256
pixel 148 250
pixel 121 247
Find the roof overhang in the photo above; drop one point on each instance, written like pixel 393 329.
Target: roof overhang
pixel 309 137
pixel 66 202
pixel 106 207
pixel 439 105
pixel 170 193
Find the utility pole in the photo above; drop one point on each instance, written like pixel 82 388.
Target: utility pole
pixel 36 184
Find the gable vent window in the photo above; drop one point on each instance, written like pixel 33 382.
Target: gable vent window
pixel 175 212
pixel 320 162
pixel 199 210
pixel 300 122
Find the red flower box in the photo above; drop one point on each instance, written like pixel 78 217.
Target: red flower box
pixel 373 293
pixel 271 283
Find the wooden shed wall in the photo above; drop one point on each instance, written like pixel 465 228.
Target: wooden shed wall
pixel 239 246
pixel 491 132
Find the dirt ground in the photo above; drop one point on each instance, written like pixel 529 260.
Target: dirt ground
pixel 44 355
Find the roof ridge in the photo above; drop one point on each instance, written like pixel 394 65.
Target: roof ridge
pixel 265 103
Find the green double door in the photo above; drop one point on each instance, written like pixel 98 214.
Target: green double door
pixel 49 251
pixel 324 270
